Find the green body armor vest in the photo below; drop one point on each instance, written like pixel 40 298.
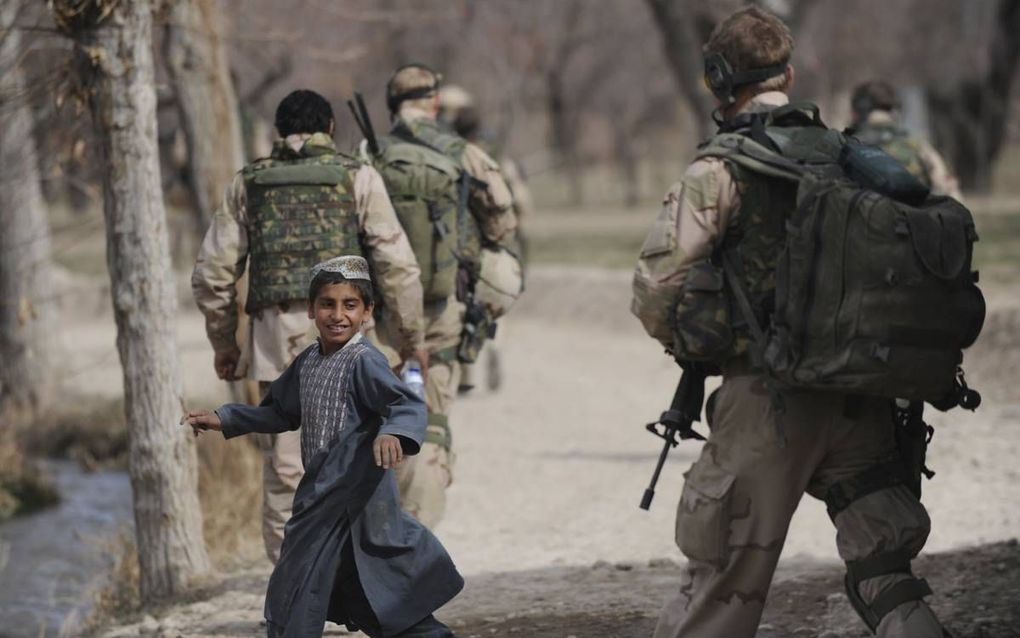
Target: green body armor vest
pixel 301 211
pixel 426 184
pixel 898 143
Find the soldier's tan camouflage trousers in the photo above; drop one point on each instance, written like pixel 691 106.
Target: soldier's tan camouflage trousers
pixel 281 472
pixel 422 479
pixel 739 497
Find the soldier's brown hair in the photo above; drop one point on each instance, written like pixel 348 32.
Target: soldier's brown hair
pixel 752 38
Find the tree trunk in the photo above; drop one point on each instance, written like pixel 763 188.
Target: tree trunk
pixel 686 25
pixel 564 132
pixel 207 103
pixel 115 64
pixel 968 121
pixel 683 31
pixel 27 298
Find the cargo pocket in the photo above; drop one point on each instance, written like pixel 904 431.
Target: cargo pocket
pixel 703 515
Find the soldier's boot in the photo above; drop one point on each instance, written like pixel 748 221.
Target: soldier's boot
pixel 281 472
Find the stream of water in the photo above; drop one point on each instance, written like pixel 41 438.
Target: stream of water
pixel 53 562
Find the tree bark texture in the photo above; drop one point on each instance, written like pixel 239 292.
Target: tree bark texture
pixel 683 31
pixel 27 299
pixel 115 63
pixel 969 120
pixel 207 103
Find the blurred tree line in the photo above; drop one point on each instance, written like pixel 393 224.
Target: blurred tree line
pixel 563 84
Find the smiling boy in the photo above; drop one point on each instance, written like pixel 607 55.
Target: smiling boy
pixel 350 555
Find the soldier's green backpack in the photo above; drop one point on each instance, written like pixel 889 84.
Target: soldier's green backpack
pixel 874 292
pixel 429 194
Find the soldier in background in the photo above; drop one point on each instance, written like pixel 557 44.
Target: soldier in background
pixel 423 165
pixel 281 215
pixel 459 112
pixel 876 121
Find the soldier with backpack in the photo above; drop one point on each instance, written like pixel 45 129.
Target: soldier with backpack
pixel 876 108
pixel 817 276
pixel 457 212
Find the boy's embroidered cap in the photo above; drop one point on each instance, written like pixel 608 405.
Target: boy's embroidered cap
pixel 350 266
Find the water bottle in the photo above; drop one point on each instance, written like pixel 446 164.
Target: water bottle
pixel 411 376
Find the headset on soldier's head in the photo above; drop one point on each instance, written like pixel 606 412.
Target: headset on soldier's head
pixel 722 80
pixel 393 101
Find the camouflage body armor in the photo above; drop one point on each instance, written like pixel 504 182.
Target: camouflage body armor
pixel 301 211
pixel 898 143
pixel 428 188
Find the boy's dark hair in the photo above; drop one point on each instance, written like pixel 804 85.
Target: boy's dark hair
pixel 326 278
pixel 303 111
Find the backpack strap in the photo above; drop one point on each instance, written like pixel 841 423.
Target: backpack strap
pixel 733 272
pixel 752 155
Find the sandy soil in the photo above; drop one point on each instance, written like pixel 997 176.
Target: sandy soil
pixel 551 468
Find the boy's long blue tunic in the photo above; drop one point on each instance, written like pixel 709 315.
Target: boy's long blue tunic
pixel 404 570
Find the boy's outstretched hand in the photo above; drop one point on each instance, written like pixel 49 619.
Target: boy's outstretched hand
pixel 388 451
pixel 202 420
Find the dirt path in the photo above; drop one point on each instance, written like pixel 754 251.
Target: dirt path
pixel 551 468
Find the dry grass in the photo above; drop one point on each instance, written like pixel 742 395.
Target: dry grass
pixel 90 431
pixel 119 597
pixel 230 489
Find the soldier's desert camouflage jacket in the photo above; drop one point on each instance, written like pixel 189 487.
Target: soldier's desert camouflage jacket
pixel 224 254
pixel 695 217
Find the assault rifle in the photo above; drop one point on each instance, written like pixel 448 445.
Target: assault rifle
pixel 678 419
pixel 364 122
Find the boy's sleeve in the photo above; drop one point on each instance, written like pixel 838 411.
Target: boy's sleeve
pixel 279 411
pixel 381 391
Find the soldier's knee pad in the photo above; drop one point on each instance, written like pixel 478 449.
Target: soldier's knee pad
pixel 883 564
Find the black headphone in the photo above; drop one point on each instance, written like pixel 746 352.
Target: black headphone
pixel 393 101
pixel 722 80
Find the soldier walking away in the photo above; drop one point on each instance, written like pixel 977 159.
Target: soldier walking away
pixel 705 286
pixel 280 216
pixel 453 204
pixel 876 121
pixel 460 113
